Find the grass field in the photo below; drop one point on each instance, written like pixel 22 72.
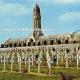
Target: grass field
pixel 16 75
pixel 20 76
pixel 42 76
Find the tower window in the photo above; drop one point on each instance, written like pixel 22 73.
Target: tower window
pixel 34 10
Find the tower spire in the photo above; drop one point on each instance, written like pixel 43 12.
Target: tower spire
pixel 36 1
pixel 37 21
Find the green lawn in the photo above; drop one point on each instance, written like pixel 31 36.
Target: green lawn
pixel 20 76
pixel 43 76
pixel 15 75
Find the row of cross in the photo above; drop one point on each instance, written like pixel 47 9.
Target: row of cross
pixel 30 56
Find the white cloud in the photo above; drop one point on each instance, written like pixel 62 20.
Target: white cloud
pixel 13 9
pixel 70 16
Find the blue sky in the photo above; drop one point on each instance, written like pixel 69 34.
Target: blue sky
pixel 58 16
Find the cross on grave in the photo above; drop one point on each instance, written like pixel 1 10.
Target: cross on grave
pixel 48 61
pixel 78 58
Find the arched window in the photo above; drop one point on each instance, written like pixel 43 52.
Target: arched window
pixel 10 44
pixel 6 45
pixel 59 41
pixel 45 42
pixel 15 44
pixel 2 46
pixel 38 43
pixel 66 41
pixel 24 43
pixel 51 42
pixel 29 44
pixel 31 40
pixel 19 44
pixel 34 44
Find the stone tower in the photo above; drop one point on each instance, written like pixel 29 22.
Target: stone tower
pixel 37 22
